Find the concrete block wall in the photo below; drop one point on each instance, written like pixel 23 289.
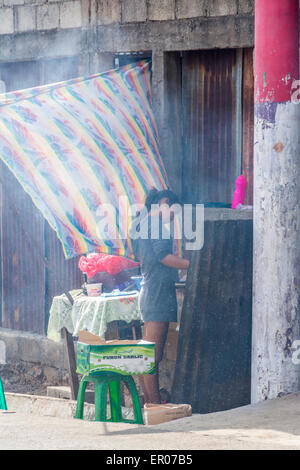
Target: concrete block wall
pixel 30 362
pixel 19 16
pixel 31 29
pixel 29 15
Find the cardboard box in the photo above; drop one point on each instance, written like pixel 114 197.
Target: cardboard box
pixel 126 357
pixel 157 414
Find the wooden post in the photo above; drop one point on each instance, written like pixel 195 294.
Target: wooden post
pixel 69 344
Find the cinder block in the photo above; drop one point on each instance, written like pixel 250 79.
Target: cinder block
pixel 51 353
pixel 70 14
pixel 10 3
pixel 29 351
pixel 11 347
pixel 101 62
pixel 108 11
pixel 86 13
pixel 48 16
pixel 222 8
pixel 190 8
pixel 134 11
pixel 65 392
pixel 161 10
pixel 25 18
pixel 2 353
pixel 7 21
pixel 245 6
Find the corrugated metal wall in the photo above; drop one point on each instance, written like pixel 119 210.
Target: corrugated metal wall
pixel 211 124
pixel 23 280
pixel 209 132
pixel 213 365
pixel 173 131
pixel 27 287
pixel 248 122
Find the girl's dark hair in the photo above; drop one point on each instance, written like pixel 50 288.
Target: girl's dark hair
pixel 154 196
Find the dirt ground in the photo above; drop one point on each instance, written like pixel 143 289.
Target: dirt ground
pixel 19 378
pixel 270 425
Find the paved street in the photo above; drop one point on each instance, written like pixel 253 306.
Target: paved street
pixel 274 424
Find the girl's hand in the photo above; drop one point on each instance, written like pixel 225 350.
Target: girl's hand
pixel 182 275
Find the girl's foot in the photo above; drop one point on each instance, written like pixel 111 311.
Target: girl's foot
pixel 164 396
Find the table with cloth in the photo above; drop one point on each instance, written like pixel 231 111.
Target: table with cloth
pixel 92 314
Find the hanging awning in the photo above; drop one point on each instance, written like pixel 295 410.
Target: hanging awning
pixel 81 147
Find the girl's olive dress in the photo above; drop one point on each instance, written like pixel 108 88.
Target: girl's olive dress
pixel 158 301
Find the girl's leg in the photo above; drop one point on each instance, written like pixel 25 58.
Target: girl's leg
pixel 155 332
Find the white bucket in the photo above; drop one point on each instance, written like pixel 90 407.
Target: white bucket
pixel 94 290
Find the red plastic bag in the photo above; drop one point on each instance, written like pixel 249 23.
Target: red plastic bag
pixel 99 262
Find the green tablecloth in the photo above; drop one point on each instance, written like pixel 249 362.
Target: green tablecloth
pixel 90 313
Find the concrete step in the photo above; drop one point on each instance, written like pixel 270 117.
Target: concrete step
pixel 45 406
pixel 51 406
pixel 65 392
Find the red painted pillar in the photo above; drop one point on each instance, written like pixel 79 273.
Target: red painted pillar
pixel 276 49
pixel 276 276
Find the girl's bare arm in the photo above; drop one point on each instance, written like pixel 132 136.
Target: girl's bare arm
pixel 175 262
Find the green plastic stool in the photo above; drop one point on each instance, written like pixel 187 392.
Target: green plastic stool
pixel 3 405
pixel 111 382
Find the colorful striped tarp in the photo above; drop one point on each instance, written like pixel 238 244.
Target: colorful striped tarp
pixel 79 145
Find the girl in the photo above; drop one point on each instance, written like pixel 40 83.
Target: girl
pixel 159 267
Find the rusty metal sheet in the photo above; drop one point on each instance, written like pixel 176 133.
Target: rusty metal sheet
pixel 172 135
pixel 23 272
pixel 248 123
pixel 211 125
pixel 213 366
pixel 22 290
